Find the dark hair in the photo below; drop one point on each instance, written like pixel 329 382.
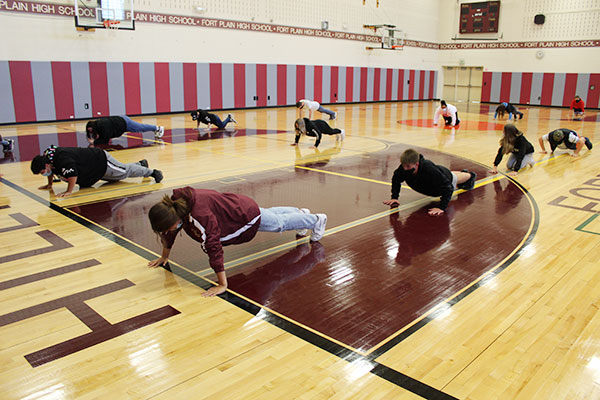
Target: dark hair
pixel 90 130
pixel 299 104
pixel 166 213
pixel 443 102
pixel 39 163
pixel 409 156
pixel 501 110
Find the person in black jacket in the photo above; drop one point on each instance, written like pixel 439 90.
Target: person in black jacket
pixel 101 130
pixel 513 142
pixel 317 129
pixel 208 118
pixel 508 108
pixel 565 139
pixel 86 166
pixel 429 179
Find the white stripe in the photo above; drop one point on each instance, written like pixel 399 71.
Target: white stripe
pixel 241 230
pixel 115 167
pixel 200 227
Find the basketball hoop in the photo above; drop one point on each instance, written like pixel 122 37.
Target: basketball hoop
pixel 111 24
pixel 398 47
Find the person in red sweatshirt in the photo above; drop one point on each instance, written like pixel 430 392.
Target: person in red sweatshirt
pixel 217 219
pixel 577 108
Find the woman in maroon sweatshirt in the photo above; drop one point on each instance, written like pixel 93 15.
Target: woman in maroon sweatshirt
pixel 219 219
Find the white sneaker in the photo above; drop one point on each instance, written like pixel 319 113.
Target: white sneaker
pixel 232 119
pixel 160 131
pixel 319 228
pixel 303 232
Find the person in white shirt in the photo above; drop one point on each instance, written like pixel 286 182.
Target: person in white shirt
pixel 448 111
pixel 313 106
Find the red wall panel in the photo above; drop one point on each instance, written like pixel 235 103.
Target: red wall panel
pixel 190 87
pixel 363 83
pixel 281 84
pixel 526 78
pixel 131 78
pixel 376 84
pixel 99 89
pixel 216 86
pixel 318 84
pixel 547 87
pixel 593 95
pixel 163 87
pixel 486 86
pixel 239 86
pixel 300 82
pixel 349 84
pixel 333 92
pixel 505 87
pixel 63 90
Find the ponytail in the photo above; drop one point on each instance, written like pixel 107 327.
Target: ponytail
pixel 164 214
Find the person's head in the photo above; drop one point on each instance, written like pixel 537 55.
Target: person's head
pixel 577 99
pixel 443 104
pixel 41 165
pixel 90 131
pixel 501 109
pixel 299 104
pixel 300 126
pixel 167 214
pixel 509 138
pixel 410 161
pixel 557 135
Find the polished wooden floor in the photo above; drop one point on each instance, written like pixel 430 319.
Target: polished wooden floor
pixel 497 300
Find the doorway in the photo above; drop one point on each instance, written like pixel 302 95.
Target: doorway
pixel 462 84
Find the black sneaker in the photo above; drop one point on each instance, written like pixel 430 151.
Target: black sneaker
pixel 470 183
pixel 143 163
pixel 10 146
pixel 588 144
pixel 157 175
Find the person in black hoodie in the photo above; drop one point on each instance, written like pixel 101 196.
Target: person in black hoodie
pixel 317 129
pixel 513 142
pixel 208 118
pixel 86 166
pixel 101 130
pixel 565 139
pixel 425 177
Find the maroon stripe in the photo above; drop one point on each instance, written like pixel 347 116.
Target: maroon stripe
pixel 422 85
pixel 62 302
pixel 411 85
pixel 261 85
pixel 376 84
pixel 47 274
pixel 216 86
pixel 24 222
pixel 22 90
pixel 570 88
pixel 593 96
pixel 63 90
pixel 163 87
pixel 349 84
pixel 281 84
pixel 190 87
pixel 388 84
pixel 505 86
pixel 88 316
pixel 318 83
pixel 363 83
pixel 431 84
pixel 486 88
pixel 547 88
pixel 90 339
pixel 526 78
pixel 133 96
pixel 400 84
pixel 99 89
pixel 57 244
pixel 239 85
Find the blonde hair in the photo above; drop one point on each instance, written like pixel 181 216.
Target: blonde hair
pixel 166 213
pixel 509 137
pixel 300 126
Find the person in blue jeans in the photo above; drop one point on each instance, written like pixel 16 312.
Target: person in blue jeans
pixel 217 219
pixel 208 118
pixel 101 130
pixel 313 106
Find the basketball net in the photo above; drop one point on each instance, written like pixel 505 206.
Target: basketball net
pixel 111 24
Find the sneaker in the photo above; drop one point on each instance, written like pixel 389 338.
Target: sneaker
pixel 11 145
pixel 143 163
pixel 343 135
pixel 157 175
pixel 470 183
pixel 588 144
pixel 303 232
pixel 160 131
pixel 231 119
pixel 319 228
pixel 334 116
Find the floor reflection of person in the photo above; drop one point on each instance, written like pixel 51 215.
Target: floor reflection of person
pixel 217 219
pixel 508 196
pixel 318 158
pixel 262 282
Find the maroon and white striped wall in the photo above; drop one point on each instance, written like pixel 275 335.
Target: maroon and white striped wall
pixel 33 91
pixel 542 88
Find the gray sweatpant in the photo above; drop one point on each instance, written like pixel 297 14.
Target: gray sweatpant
pixel 116 170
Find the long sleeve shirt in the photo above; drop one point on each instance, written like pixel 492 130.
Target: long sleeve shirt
pixel 521 149
pixel 216 220
pixel 430 179
pixel 579 105
pixel 450 111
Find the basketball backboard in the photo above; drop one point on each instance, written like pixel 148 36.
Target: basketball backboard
pixel 104 14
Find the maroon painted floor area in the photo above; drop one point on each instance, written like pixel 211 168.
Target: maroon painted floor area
pixel 365 283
